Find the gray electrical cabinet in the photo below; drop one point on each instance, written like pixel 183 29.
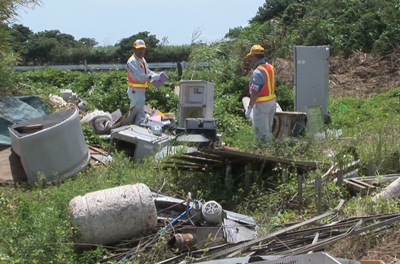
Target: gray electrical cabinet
pixel 196 100
pixel 311 78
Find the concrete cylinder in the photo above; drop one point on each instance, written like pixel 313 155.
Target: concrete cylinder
pixel 110 215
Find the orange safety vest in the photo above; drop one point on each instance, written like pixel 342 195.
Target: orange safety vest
pixel 135 84
pixel 268 91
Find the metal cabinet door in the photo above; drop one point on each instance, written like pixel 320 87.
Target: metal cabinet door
pixel 311 77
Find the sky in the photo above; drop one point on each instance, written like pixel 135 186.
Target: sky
pixel 109 21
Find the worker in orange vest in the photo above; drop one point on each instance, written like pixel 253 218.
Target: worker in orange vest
pixel 262 103
pixel 139 78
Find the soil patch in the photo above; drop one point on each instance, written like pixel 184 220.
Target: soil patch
pixel 360 75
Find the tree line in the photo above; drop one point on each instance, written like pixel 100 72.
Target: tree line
pixel 55 48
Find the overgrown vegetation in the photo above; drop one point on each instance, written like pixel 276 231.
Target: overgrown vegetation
pixel 34 223
pixel 39 213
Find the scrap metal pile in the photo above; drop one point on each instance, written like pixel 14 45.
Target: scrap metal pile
pixel 132 219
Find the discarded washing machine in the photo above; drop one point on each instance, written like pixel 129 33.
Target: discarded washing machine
pixel 52 146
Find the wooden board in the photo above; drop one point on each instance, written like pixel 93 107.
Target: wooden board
pixel 10 166
pixel 358 185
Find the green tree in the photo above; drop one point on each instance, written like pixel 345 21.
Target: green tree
pixel 7 55
pixel 50 46
pixel 270 9
pixel 89 42
pixel 38 49
pixel 125 46
pixel 20 33
pixel 234 33
pixel 105 54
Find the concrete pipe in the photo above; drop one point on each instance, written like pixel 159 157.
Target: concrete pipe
pixel 111 215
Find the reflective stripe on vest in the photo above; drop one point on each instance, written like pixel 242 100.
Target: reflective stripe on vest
pixel 268 91
pixel 134 84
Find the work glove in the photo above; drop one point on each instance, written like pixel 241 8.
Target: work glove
pixel 155 77
pixel 248 112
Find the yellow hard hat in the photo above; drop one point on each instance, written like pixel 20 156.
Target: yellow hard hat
pixel 256 49
pixel 139 44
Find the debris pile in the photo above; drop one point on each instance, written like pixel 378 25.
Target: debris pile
pixel 203 232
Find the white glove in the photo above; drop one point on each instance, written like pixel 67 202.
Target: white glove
pixel 248 112
pixel 155 77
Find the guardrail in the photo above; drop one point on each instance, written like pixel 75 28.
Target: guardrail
pixel 107 67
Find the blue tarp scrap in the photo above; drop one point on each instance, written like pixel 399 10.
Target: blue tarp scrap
pixel 15 109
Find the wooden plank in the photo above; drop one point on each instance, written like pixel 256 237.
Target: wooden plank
pixel 229 153
pixel 339 178
pixel 182 164
pixel 98 150
pixel 300 180
pixel 371 168
pixel 205 155
pixel 362 183
pixel 371 261
pixel 354 186
pixel 11 167
pixel 378 179
pixel 196 160
pixel 358 185
pixel 318 193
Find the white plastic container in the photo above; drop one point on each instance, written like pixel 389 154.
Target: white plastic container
pixel 111 215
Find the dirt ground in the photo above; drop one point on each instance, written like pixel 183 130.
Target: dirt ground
pixel 361 75
pixel 383 246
